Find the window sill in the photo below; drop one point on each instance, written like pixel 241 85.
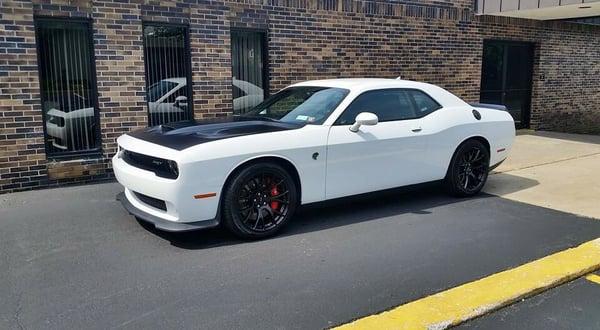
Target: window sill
pixel 82 156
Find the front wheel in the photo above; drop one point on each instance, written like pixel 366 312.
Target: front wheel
pixel 468 169
pixel 259 201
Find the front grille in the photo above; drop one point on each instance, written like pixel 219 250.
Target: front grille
pixel 154 202
pixel 161 167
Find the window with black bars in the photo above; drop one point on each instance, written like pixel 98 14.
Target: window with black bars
pixel 68 86
pixel 168 76
pixel 249 69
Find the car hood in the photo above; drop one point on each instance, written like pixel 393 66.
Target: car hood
pixel 185 134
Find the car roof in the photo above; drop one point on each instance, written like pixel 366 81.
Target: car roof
pixel 360 85
pixel 177 80
pixel 363 83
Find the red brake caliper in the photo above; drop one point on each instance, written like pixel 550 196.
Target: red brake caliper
pixel 274 192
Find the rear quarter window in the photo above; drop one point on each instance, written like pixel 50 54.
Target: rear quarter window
pixel 424 104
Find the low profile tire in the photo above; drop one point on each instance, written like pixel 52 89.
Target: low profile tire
pixel 468 169
pixel 259 200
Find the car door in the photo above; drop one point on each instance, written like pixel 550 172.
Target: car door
pixel 389 154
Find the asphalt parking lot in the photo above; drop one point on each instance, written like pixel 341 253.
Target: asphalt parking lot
pixel 574 305
pixel 73 258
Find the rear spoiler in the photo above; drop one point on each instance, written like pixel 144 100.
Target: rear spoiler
pixel 489 106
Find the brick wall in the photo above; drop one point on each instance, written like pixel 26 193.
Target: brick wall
pixel 434 41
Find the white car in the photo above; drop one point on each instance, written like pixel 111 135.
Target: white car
pixel 310 142
pixel 167 100
pixel 69 123
pixel 250 95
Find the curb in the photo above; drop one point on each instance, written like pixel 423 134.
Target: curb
pixel 454 306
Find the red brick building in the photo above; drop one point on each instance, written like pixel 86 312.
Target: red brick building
pixel 76 74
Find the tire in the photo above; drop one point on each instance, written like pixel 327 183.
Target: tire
pixel 259 200
pixel 468 171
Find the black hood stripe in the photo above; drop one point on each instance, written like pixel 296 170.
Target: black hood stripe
pixel 185 134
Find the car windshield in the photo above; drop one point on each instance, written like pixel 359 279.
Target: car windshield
pixel 310 105
pixel 157 90
pixel 66 101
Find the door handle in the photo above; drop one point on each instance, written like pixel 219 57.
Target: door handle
pixel 417 129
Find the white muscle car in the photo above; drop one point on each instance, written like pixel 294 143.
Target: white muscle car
pixel 167 98
pixel 70 121
pixel 310 142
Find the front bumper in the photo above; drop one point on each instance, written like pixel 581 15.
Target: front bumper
pixel 169 204
pixel 58 133
pixel 162 224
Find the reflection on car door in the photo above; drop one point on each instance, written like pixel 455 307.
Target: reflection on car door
pixel 389 154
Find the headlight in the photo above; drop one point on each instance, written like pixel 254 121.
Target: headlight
pixel 163 168
pixel 173 167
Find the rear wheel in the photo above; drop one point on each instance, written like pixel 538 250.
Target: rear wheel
pixel 468 169
pixel 259 201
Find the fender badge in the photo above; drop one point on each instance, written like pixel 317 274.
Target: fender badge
pixel 315 155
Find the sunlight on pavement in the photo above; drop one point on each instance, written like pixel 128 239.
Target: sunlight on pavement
pixel 554 171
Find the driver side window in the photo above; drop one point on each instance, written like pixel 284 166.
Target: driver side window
pixel 180 92
pixel 387 104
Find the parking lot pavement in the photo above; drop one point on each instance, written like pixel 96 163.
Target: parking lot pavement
pixel 575 305
pixel 72 258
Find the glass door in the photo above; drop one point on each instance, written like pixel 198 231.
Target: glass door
pixel 506 77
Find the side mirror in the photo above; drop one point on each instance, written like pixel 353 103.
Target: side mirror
pixel 364 118
pixel 181 101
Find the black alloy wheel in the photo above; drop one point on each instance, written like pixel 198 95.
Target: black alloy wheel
pixel 469 169
pixel 259 200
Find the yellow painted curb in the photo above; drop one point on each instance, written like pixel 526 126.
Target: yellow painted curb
pixel 456 305
pixel 593 278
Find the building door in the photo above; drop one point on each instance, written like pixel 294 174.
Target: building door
pixel 249 69
pixel 506 77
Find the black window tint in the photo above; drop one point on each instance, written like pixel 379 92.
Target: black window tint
pixel 180 92
pixel 160 89
pixel 388 105
pixel 424 104
pixel 238 92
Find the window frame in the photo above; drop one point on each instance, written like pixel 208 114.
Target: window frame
pixel 410 97
pixel 188 65
pixel 76 154
pixel 266 75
